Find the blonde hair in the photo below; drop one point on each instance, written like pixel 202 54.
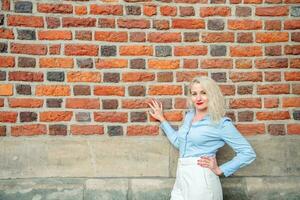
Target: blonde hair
pixel 216 103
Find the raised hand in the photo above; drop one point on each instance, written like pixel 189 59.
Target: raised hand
pixel 156 110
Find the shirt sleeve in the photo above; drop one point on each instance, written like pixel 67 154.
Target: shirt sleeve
pixel 244 152
pixel 172 134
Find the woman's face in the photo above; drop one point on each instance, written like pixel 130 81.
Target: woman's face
pixel 199 97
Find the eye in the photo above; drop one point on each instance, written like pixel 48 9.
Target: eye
pixel 194 93
pixel 203 92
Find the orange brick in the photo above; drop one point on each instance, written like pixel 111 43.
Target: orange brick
pixel 243 64
pixel 81 50
pixel 6 33
pixel 295 63
pixel 10 117
pixel 251 129
pixel 133 23
pixel 56 62
pixel 78 22
pixel 291 24
pixel 1 102
pixel 272 37
pixel 192 50
pixel 80 10
pixel 87 130
pixel 5 5
pixel 246 51
pixel 137 76
pixel 293 129
pixel 149 10
pixel 271 63
pixel 55 35
pixel 25 103
pixel 273 89
pixel 290 102
pixel 110 36
pixel 273 115
pixel 245 103
pixel 187 76
pixel 246 76
pixel 52 90
pixel 188 24
pixel 174 116
pixel 6 89
pixel 56 116
pixel 292 76
pixel 109 90
pixel 31 49
pixel 215 11
pixel 168 10
pixel 139 130
pixel 54 49
pixel 134 103
pixel 29 130
pixel 271 102
pixel 111 63
pixel 120 117
pixel 165 90
pixel 81 103
pixel 135 50
pixel 253 1
pixel 272 11
pixel 218 37
pixel 106 9
pixel 7 61
pixel 180 103
pixel 244 24
pixel 84 76
pixel 216 63
pixel 54 8
pixel 163 64
pixel 164 37
pixel 227 90
pixel 26 21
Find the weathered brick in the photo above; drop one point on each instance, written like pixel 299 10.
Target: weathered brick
pixel 28 116
pixel 2 131
pixel 54 103
pixel 1 19
pixel 243 11
pixel 120 117
pixel 165 90
pixel 187 76
pixel 245 116
pixel 23 7
pixel 56 76
pixel 276 129
pixel 3 47
pixel 87 130
pixel 109 90
pixel 110 36
pixel 111 63
pixel 190 63
pixel 107 51
pixel 186 11
pixel 25 103
pixel 245 103
pixel 138 63
pixel 272 11
pixel 52 90
pixel 243 63
pixel 26 62
pixel 140 130
pixel 245 89
pixel 81 50
pixel 273 89
pixel 7 61
pixel 137 76
pixel 292 49
pixel 215 24
pixel 81 90
pixel 222 11
pixel 272 115
pixel 295 63
pixel 138 117
pixel 161 24
pixel 295 11
pixel 245 37
pixel 296 37
pixel 218 50
pixel 58 129
pixel 216 63
pixel 272 76
pixel 26 34
pixel 133 10
pixel 291 24
pixel 109 104
pixel 246 76
pixel 26 76
pixel 34 49
pixel 137 37
pixel 273 50
pixel 163 51
pixel 191 37
pixel 29 130
pixel 27 21
pixel 55 116
pixel 54 49
pixel 106 23
pixel 163 64
pixel 54 8
pixel 83 117
pixel 85 62
pixel 188 24
pixel 135 50
pixel 78 22
pixel 83 35
pixel 180 103
pixel 272 25
pixel 52 22
pixel 136 90
pixel 296 114
pixel 111 77
pixel 9 117
pixel 133 23
pixel 106 9
pixel 115 130
pixel 5 5
pixel 271 63
pixel 23 89
pixel 164 77
pixel 2 75
pixel 219 77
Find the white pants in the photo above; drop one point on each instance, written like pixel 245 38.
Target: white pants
pixel 194 182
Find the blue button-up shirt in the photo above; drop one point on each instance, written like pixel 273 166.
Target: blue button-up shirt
pixel 203 138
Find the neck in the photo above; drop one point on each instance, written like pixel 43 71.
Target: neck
pixel 201 113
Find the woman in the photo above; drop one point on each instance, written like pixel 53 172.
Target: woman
pixel 204 131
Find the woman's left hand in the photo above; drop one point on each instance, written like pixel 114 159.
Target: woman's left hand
pixel 211 163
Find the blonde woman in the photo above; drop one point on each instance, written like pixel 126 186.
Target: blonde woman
pixel 204 131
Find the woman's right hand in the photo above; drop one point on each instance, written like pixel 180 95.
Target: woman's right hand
pixel 156 110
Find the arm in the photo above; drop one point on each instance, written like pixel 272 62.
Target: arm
pixel 244 152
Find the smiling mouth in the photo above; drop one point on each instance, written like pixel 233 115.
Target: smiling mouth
pixel 199 103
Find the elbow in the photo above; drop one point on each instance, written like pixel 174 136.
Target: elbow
pixel 251 156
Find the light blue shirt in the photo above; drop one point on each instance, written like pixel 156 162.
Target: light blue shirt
pixel 203 138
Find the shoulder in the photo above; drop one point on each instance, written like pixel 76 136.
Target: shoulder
pixel 225 121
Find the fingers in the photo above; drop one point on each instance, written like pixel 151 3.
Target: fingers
pixel 206 162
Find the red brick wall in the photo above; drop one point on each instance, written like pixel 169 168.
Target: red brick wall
pixel 89 67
